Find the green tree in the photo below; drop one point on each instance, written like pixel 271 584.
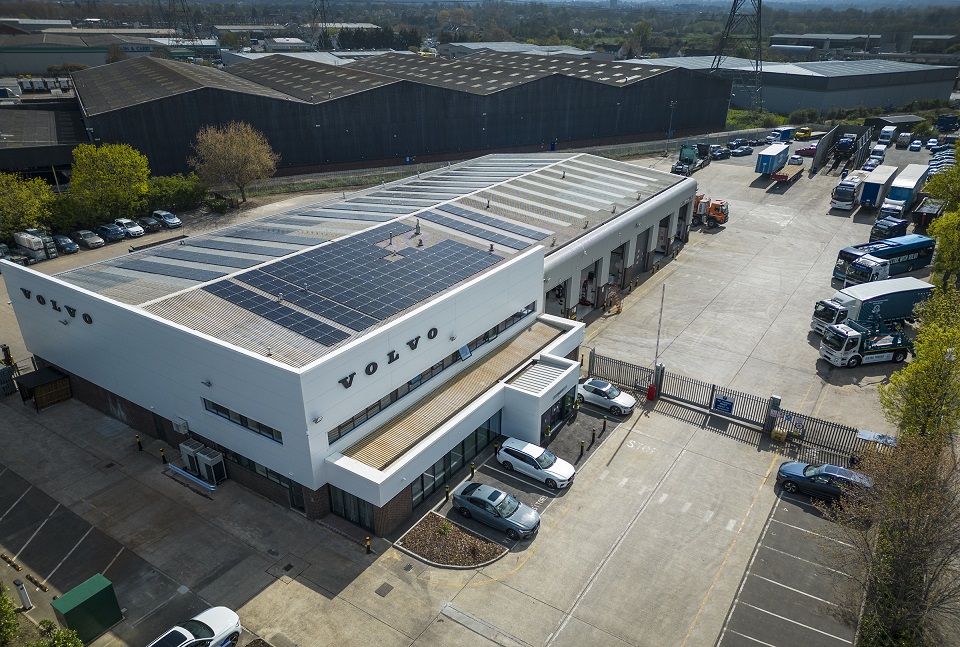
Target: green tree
pixel 110 181
pixel 60 638
pixel 23 203
pixel 946 261
pixel 175 192
pixel 923 398
pixel 231 40
pixel 898 544
pixel 946 186
pixel 115 54
pixel 643 29
pixel 9 627
pixel 235 155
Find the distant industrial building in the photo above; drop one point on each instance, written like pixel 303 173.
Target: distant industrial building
pixel 37 53
pixel 286 45
pixel 30 25
pixel 888 42
pixel 824 85
pixel 328 58
pixel 396 108
pixel 459 50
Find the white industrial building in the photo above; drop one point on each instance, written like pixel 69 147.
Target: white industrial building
pixel 350 357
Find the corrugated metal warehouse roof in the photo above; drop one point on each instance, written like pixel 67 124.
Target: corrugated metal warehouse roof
pixel 610 73
pixel 308 80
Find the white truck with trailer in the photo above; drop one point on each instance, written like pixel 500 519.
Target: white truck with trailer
pixel 862 342
pixel 890 302
pixel 904 191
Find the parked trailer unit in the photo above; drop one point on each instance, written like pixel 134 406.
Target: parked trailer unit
pixel 772 158
pixel 788 173
pixel 889 227
pixel 876 186
pixel 904 191
pixel 890 302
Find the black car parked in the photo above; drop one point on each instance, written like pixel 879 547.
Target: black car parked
pixel 736 143
pixel 65 245
pixel 149 224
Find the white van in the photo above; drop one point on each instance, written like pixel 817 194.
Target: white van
pixel 879 151
pixel 887 133
pixel 903 140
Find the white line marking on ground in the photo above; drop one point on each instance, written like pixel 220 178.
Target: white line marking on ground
pixel 39 528
pixel 16 502
pixel 759 642
pixel 790 588
pixel 517 477
pixel 112 560
pixel 815 534
pixel 791 499
pixel 623 481
pixel 642 490
pixel 603 477
pixel 806 561
pixel 686 506
pixel 663 497
pixel 731 524
pixel 89 530
pixel 799 624
pixel 616 545
pixel 4 471
pixel 708 516
pixel 481 627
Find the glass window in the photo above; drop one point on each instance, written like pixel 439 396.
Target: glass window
pixel 417 489
pixel 470 446
pixel 456 458
pixel 429 484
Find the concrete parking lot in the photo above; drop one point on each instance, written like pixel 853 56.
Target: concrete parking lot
pixel 649 547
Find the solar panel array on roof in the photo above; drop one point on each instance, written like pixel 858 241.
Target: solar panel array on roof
pixel 229 246
pixel 473 230
pixel 366 278
pixel 179 271
pixel 277 313
pixel 275 234
pixel 183 254
pixel 499 223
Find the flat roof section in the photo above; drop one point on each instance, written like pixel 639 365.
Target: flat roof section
pixel 390 442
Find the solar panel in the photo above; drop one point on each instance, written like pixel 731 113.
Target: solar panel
pixel 213 259
pixel 277 235
pixel 297 295
pixel 354 205
pixel 344 215
pixel 277 313
pixel 479 232
pixel 179 271
pixel 230 246
pixel 499 223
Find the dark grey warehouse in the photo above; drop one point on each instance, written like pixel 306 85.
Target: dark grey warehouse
pixel 393 108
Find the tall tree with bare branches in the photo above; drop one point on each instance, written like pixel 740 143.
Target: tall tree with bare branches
pixel 234 155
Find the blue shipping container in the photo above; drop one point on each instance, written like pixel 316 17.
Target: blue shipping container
pixel 773 158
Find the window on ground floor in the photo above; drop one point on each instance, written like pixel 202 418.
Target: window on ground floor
pixel 352 508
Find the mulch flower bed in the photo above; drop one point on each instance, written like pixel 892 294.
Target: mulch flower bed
pixel 440 541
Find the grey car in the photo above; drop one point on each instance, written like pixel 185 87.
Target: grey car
pixel 823 481
pixel 88 239
pixel 496 509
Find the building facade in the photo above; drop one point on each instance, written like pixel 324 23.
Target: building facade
pixel 350 357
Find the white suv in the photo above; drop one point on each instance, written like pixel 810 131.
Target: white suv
pixel 537 462
pixel 606 396
pixel 129 227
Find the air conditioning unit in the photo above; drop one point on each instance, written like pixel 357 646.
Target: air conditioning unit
pixel 180 426
pixel 211 465
pixel 188 450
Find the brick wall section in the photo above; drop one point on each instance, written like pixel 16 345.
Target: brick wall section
pixel 317 502
pixel 397 510
pixel 259 484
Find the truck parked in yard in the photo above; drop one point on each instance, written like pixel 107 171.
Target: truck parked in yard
pixel 927 211
pixel 904 139
pixel 887 133
pixel 788 173
pixel 772 158
pixel 876 186
pixel 891 302
pixel 693 157
pixel 846 195
pixel 889 227
pixel 781 134
pixel 863 342
pixel 711 213
pixel 904 191
pixel 845 145
pixel 805 133
pixel 948 123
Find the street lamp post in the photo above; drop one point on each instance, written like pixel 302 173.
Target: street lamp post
pixel 673 104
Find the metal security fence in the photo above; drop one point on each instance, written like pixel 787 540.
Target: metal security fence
pixel 628 377
pixel 807 430
pixel 716 399
pixel 742 406
pixel 687 389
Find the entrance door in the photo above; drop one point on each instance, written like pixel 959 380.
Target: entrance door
pixel 296 497
pixel 618 267
pixel 159 427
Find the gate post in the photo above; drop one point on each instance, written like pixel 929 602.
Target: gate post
pixel 658 372
pixel 773 412
pixel 590 364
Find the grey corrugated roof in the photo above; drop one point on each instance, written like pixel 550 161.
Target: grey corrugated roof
pixel 608 72
pixel 306 79
pixel 814 68
pixel 524 48
pixel 135 81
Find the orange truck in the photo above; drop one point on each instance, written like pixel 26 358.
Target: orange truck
pixel 711 213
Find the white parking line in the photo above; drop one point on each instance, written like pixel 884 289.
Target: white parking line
pixel 731 524
pixel 815 534
pixel 16 502
pixel 663 497
pixel 708 516
pixel 3 471
pixel 39 528
pixel 686 506
pixel 68 554
pixel 623 481
pixel 603 477
pixel 790 588
pixel 799 624
pixel 112 560
pixel 806 561
pixel 518 478
pixel 751 638
pixel 642 490
pixel 791 499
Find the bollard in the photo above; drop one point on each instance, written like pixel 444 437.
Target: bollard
pixel 472 470
pixel 368 545
pixel 139 444
pixel 581 360
pixel 446 493
pixel 593 436
pixel 603 429
pixel 24 596
pixel 581 449
pixel 162 457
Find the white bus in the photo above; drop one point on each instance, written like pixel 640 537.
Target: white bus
pixel 846 195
